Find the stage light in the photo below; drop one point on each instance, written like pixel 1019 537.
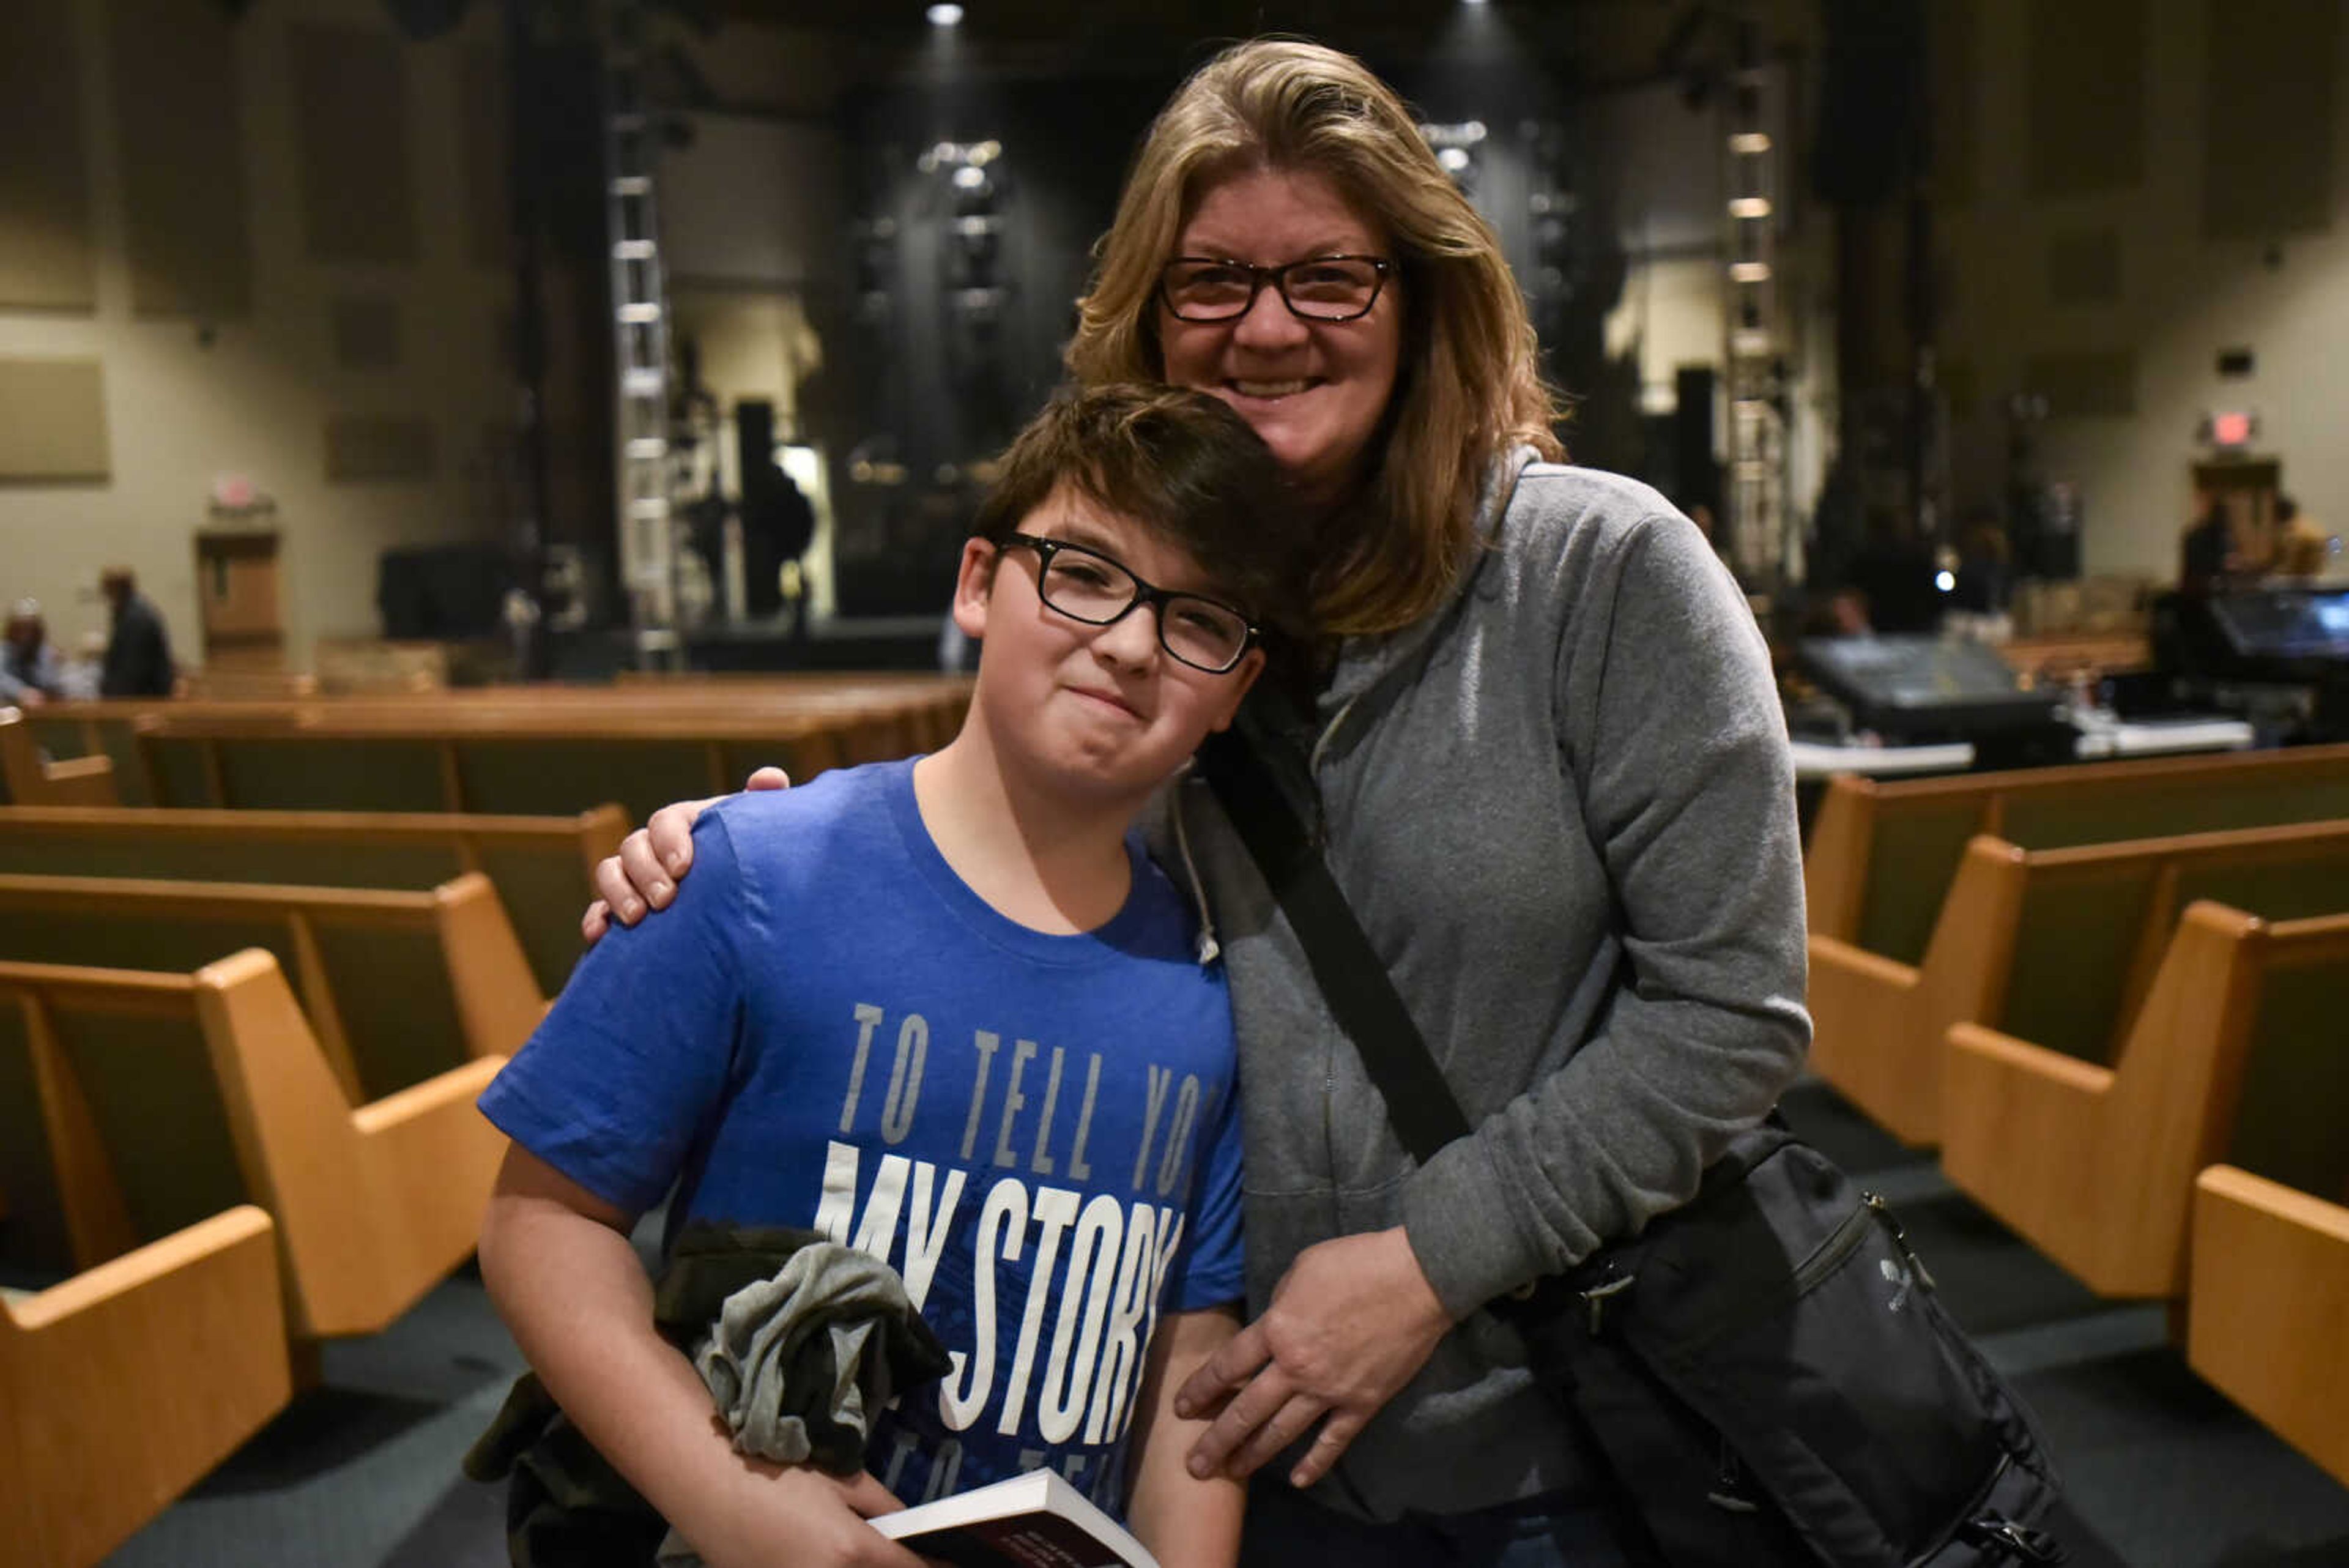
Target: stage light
pixel 1945 581
pixel 945 15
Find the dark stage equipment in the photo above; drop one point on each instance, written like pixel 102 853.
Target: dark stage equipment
pixel 445 593
pixel 2276 655
pixel 1920 691
pixel 777 522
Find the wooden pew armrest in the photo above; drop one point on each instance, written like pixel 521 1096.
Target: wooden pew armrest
pixel 1839 957
pixel 1986 1051
pixel 2225 1185
pixel 184 1264
pixel 82 781
pixel 445 1095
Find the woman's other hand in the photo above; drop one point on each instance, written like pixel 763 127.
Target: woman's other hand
pixel 1352 1322
pixel 643 876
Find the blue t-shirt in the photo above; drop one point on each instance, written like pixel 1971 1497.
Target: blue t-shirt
pixel 830 1029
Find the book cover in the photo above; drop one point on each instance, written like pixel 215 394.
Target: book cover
pixel 1032 1520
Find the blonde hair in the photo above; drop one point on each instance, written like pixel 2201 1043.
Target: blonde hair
pixel 1468 386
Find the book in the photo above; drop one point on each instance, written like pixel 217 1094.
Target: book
pixel 1031 1520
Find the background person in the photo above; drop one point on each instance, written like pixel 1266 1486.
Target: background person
pixel 1552 778
pixel 31 672
pixel 137 649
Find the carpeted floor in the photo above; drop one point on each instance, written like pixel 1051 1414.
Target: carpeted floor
pixel 362 1473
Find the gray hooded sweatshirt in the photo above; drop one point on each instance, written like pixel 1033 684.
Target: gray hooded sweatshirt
pixel 1563 810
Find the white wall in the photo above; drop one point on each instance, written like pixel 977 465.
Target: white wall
pixel 256 400
pixel 2183 299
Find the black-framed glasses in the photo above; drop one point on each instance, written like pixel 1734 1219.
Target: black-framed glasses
pixel 1085 585
pixel 1319 288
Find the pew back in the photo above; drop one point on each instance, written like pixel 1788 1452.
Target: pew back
pixel 541 867
pixel 399 987
pixel 212 1083
pixel 1883 852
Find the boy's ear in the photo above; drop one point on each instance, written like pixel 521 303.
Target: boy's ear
pixel 1238 680
pixel 973 581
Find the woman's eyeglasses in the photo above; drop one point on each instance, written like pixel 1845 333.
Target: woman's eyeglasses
pixel 1085 585
pixel 1320 289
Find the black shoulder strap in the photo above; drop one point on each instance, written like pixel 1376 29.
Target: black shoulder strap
pixel 1355 983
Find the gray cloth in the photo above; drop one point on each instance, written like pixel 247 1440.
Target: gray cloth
pixel 759 1340
pixel 1563 810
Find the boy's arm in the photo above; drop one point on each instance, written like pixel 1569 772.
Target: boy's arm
pixel 1186 1523
pixel 558 1265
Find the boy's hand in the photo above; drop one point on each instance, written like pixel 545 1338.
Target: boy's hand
pixel 795 1516
pixel 1352 1322
pixel 643 875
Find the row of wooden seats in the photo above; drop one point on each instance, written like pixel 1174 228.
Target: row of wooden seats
pixel 542 867
pixel 167 1104
pixel 396 986
pixel 530 750
pixel 1882 853
pixel 173 1128
pixel 2135 1050
pixel 2059 946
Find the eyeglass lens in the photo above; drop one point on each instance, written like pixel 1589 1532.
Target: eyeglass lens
pixel 1094 589
pixel 1324 288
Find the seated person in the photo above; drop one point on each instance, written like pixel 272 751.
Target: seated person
pixel 948 1011
pixel 31 672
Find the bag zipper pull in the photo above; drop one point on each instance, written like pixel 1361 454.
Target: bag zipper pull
pixel 1883 1212
pixel 2010 1539
pixel 1595 1299
pixel 1729 1495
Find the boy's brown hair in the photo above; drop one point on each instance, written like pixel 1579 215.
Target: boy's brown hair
pixel 1184 466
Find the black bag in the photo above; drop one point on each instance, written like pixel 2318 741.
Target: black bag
pixel 1766 1371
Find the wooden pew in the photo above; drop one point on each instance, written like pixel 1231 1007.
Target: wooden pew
pixel 2056 946
pixel 545 758
pixel 122 1386
pixel 855 717
pixel 2096 1166
pixel 397 987
pixel 210 1091
pixel 32 780
pixel 542 867
pixel 1882 853
pixel 2267 1315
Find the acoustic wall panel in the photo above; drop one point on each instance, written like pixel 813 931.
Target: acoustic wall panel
pixel 1953 39
pixel 486 148
pixel 47 261
pixel 2086 86
pixel 2084 384
pixel 374 448
pixel 367 332
pixel 2084 269
pixel 2269 118
pixel 52 420
pixel 179 127
pixel 352 132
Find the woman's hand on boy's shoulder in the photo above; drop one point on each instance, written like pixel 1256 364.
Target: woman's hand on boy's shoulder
pixel 643 876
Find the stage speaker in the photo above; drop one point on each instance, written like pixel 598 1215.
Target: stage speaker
pixel 1696 477
pixel 777 522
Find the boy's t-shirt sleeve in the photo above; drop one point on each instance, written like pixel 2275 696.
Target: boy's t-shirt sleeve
pixel 623 1074
pixel 1210 1268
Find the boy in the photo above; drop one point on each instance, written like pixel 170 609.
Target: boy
pixel 948 1011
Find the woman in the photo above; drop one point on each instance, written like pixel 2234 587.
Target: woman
pixel 1548 763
